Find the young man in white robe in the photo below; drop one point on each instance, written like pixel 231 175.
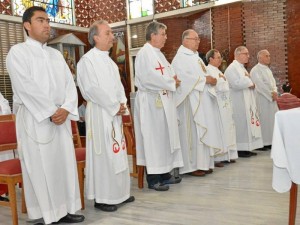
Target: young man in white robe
pixel 245 111
pixel 46 94
pixel 155 120
pixel 197 109
pixel 214 60
pixel 107 172
pixel 266 95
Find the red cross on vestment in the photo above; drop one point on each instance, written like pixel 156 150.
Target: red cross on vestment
pixel 160 68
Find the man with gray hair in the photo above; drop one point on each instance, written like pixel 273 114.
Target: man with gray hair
pixel 245 111
pixel 197 110
pixel 266 95
pixel 107 172
pixel 155 119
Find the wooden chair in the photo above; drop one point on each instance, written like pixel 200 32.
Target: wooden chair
pixel 137 171
pixel 80 159
pixel 10 170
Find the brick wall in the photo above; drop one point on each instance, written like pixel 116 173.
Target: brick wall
pixel 227 26
pixel 293 44
pixel 265 28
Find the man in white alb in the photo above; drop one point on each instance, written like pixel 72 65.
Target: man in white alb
pixel 197 109
pixel 107 172
pixel 266 95
pixel 46 96
pixel 155 120
pixel 214 60
pixel 245 111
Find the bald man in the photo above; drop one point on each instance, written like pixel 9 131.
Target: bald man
pixel 266 95
pixel 245 111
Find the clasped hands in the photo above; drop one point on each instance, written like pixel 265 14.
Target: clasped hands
pixel 60 116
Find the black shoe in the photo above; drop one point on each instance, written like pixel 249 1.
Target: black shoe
pixel 159 187
pixel 130 199
pixel 3 199
pixel 253 154
pixel 244 154
pixel 262 149
pixel 70 218
pixel 106 207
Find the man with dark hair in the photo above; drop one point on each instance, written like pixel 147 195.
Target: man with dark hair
pixel 107 172
pixel 155 120
pixel 287 100
pixel 46 95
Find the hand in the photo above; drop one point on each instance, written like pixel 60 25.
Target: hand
pixel 252 86
pixel 178 82
pixel 60 116
pixel 122 109
pixel 211 80
pixel 274 96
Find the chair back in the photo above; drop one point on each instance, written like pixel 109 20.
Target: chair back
pixel 76 135
pixel 8 138
pixel 129 134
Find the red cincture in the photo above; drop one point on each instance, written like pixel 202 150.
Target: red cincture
pixel 116 148
pixel 257 123
pixel 123 144
pixel 252 120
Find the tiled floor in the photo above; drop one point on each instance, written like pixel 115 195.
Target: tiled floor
pixel 238 194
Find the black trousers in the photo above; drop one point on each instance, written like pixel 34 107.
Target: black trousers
pixel 156 178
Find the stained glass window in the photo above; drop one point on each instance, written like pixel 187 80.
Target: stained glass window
pixel 140 8
pixel 59 11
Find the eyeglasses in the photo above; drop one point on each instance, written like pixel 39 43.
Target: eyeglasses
pixel 195 39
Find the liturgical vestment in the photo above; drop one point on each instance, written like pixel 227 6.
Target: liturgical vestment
pixel 225 109
pixel 107 172
pixel 42 82
pixel 197 111
pixel 245 111
pixel 155 120
pixel 265 85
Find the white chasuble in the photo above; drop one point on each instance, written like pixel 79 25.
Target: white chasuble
pixel 155 118
pixel 265 85
pixel 196 107
pixel 107 172
pixel 225 109
pixel 245 111
pixel 42 82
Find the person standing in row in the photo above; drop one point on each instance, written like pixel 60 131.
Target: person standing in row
pixel 245 111
pixel 155 120
pixel 107 172
pixel 46 96
pixel 266 95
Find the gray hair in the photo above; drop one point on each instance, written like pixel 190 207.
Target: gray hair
pixel 153 28
pixel 238 50
pixel 260 53
pixel 94 31
pixel 185 34
pixel 210 54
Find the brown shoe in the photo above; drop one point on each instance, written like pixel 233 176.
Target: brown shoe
pixel 197 173
pixel 219 164
pixel 207 171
